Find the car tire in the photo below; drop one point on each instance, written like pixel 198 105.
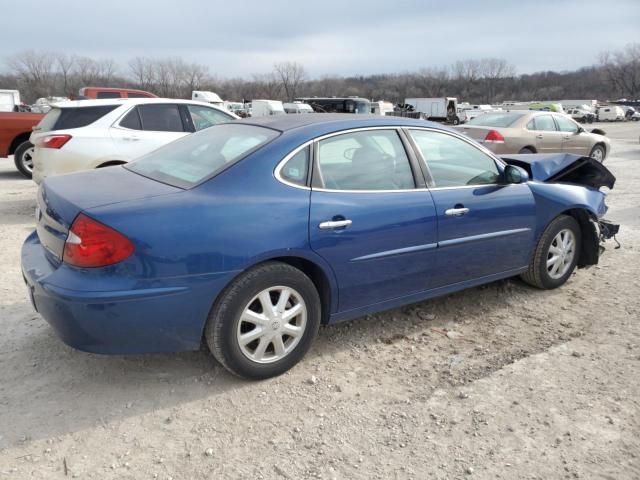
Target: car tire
pixel 239 312
pixel 598 153
pixel 456 121
pixel 543 272
pixel 583 120
pixel 526 150
pixel 23 158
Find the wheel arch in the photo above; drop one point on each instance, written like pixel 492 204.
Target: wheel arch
pixel 17 141
pixel 111 163
pixel 590 242
pixel 529 147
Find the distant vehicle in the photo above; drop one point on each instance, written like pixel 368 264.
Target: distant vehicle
pixel 381 107
pixel 43 104
pixel 297 107
pixel 610 113
pixel 230 238
pixel 239 108
pixel 630 113
pixel 88 134
pixel 589 105
pixel 581 115
pixel 542 106
pixel 338 104
pixel 264 108
pixel 535 132
pixel 97 93
pixel 442 109
pixel 468 114
pixel 9 100
pixel 15 128
pixel 207 97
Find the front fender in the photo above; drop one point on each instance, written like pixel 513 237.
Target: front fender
pixel 552 199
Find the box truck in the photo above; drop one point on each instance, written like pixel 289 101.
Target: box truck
pixel 443 109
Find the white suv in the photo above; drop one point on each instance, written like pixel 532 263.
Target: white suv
pixel 87 134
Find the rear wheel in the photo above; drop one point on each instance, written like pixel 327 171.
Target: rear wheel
pixel 526 150
pixel 556 254
pixel 23 158
pixel 264 322
pixel 598 153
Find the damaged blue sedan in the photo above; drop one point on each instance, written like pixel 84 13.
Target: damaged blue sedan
pixel 248 235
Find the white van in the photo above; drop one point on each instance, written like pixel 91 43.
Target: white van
pixel 263 108
pixel 297 107
pixel 381 107
pixel 610 113
pixel 9 99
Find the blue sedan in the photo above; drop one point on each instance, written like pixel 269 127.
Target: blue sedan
pixel 249 235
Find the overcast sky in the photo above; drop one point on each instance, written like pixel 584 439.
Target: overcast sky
pixel 339 37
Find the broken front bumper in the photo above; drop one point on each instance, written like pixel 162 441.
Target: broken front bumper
pixel 607 230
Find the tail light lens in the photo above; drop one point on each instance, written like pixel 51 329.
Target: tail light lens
pixel 54 141
pixel 92 244
pixel 494 136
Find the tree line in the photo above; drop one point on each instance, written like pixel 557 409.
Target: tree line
pixel 488 80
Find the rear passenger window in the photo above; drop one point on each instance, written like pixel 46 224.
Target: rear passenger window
pixel 108 95
pixel 297 168
pixel 454 162
pixel 366 160
pixel 132 120
pixel 74 117
pixel 162 117
pixel 544 123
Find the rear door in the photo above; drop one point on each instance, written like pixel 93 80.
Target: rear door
pixel 548 138
pixel 147 127
pixel 371 218
pixel 484 227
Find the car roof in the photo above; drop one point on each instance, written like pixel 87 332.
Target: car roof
pixel 329 122
pixel 127 101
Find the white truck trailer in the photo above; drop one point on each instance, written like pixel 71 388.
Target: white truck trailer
pixel 442 109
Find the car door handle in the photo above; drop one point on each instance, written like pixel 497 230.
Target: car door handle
pixel 456 212
pixel 540 136
pixel 335 224
pixel 132 138
pixel 566 138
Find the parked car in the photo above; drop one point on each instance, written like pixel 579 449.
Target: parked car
pixel 297 107
pixel 338 104
pixel 535 132
pixel 581 115
pixel 97 93
pixel 231 237
pixel 610 113
pixel 15 128
pixel 88 134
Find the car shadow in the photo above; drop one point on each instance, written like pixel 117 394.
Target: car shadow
pixel 55 390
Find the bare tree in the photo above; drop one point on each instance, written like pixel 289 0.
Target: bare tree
pixel 35 71
pixel 622 68
pixel 65 64
pixel 291 74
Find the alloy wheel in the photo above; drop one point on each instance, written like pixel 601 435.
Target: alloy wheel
pixel 272 324
pixel 561 253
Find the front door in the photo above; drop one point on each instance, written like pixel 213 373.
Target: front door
pixel 574 139
pixel 484 227
pixel 369 221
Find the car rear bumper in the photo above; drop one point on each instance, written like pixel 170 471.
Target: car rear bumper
pixel 159 318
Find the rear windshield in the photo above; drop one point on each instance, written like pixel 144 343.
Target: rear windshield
pixel 201 155
pixel 495 119
pixel 74 117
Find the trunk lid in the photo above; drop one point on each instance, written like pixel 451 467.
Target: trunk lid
pixel 564 167
pixel 61 198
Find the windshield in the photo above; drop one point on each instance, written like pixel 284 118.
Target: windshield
pixel 199 156
pixel 495 119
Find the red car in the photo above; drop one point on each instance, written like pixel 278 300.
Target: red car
pixel 15 128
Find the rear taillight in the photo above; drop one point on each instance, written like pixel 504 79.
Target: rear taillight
pixel 92 244
pixel 494 137
pixel 54 141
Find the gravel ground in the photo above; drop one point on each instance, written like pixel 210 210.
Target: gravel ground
pixel 501 381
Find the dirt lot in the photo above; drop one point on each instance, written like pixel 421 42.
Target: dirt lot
pixel 501 381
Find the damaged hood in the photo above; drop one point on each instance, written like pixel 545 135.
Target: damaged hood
pixel 563 167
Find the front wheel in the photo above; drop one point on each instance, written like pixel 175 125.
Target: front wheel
pixel 264 322
pixel 598 153
pixel 23 158
pixel 556 254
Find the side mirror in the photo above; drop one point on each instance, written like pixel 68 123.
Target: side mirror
pixel 513 174
pixel 581 130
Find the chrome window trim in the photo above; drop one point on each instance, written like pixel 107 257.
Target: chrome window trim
pixel 278 170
